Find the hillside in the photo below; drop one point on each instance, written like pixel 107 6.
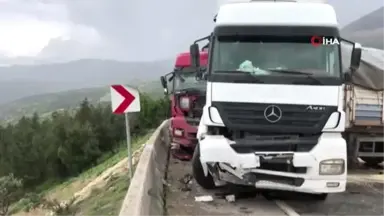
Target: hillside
pixel 49 102
pixel 45 103
pixel 37 154
pixel 22 81
pixel 368 30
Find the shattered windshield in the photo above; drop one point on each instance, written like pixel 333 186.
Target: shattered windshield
pixel 273 55
pixel 186 78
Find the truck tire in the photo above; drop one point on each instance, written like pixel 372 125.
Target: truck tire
pixel 372 161
pixel 206 182
pixel 352 159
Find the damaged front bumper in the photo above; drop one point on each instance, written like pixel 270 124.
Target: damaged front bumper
pixel 320 170
pixel 184 130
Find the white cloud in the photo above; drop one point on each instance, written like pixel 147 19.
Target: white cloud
pixel 26 27
pixel 49 30
pixel 26 37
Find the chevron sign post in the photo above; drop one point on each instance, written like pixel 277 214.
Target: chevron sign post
pixel 125 100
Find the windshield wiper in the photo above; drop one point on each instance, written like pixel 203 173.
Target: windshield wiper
pixel 248 74
pixel 307 75
pixel 178 75
pixel 288 71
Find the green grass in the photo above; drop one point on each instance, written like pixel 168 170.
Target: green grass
pixel 116 188
pixel 107 161
pixel 106 200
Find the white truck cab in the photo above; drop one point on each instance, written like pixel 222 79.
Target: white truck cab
pixel 274 106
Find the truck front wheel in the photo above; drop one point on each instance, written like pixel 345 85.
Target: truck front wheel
pixel 206 182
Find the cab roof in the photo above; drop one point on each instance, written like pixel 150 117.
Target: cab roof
pixel 277 14
pixel 183 59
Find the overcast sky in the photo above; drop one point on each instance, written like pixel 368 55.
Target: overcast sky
pixel 129 30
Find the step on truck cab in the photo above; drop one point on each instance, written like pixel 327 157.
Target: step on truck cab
pixel 187 95
pixel 274 105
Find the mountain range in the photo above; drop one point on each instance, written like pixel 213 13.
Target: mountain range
pixel 368 30
pixel 25 80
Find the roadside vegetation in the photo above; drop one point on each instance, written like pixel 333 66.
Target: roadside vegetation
pixel 38 153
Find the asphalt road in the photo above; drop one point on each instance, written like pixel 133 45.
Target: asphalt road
pixel 364 196
pixel 182 190
pixel 359 199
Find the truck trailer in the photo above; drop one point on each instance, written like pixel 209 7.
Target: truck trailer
pixel 364 107
pixel 274 115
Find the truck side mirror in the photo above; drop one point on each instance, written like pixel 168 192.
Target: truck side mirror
pixel 164 84
pixel 355 57
pixel 195 55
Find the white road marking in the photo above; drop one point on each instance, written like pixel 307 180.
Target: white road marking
pixel 288 210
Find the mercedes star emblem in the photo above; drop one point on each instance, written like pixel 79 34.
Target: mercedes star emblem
pixel 273 113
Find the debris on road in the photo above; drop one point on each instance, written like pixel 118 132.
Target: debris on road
pixel 186 182
pixel 236 192
pixel 204 198
pixel 230 198
pixel 186 178
pixel 190 203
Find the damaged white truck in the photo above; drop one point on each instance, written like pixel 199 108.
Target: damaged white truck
pixel 274 114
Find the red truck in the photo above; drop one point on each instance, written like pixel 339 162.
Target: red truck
pixel 187 95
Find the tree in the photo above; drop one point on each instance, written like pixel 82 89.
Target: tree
pixel 38 149
pixel 10 191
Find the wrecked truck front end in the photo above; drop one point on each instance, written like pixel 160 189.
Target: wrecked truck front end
pixel 187 95
pixel 187 105
pixel 279 160
pixel 229 161
pixel 271 121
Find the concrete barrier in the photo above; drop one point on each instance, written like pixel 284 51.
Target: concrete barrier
pixel 145 194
